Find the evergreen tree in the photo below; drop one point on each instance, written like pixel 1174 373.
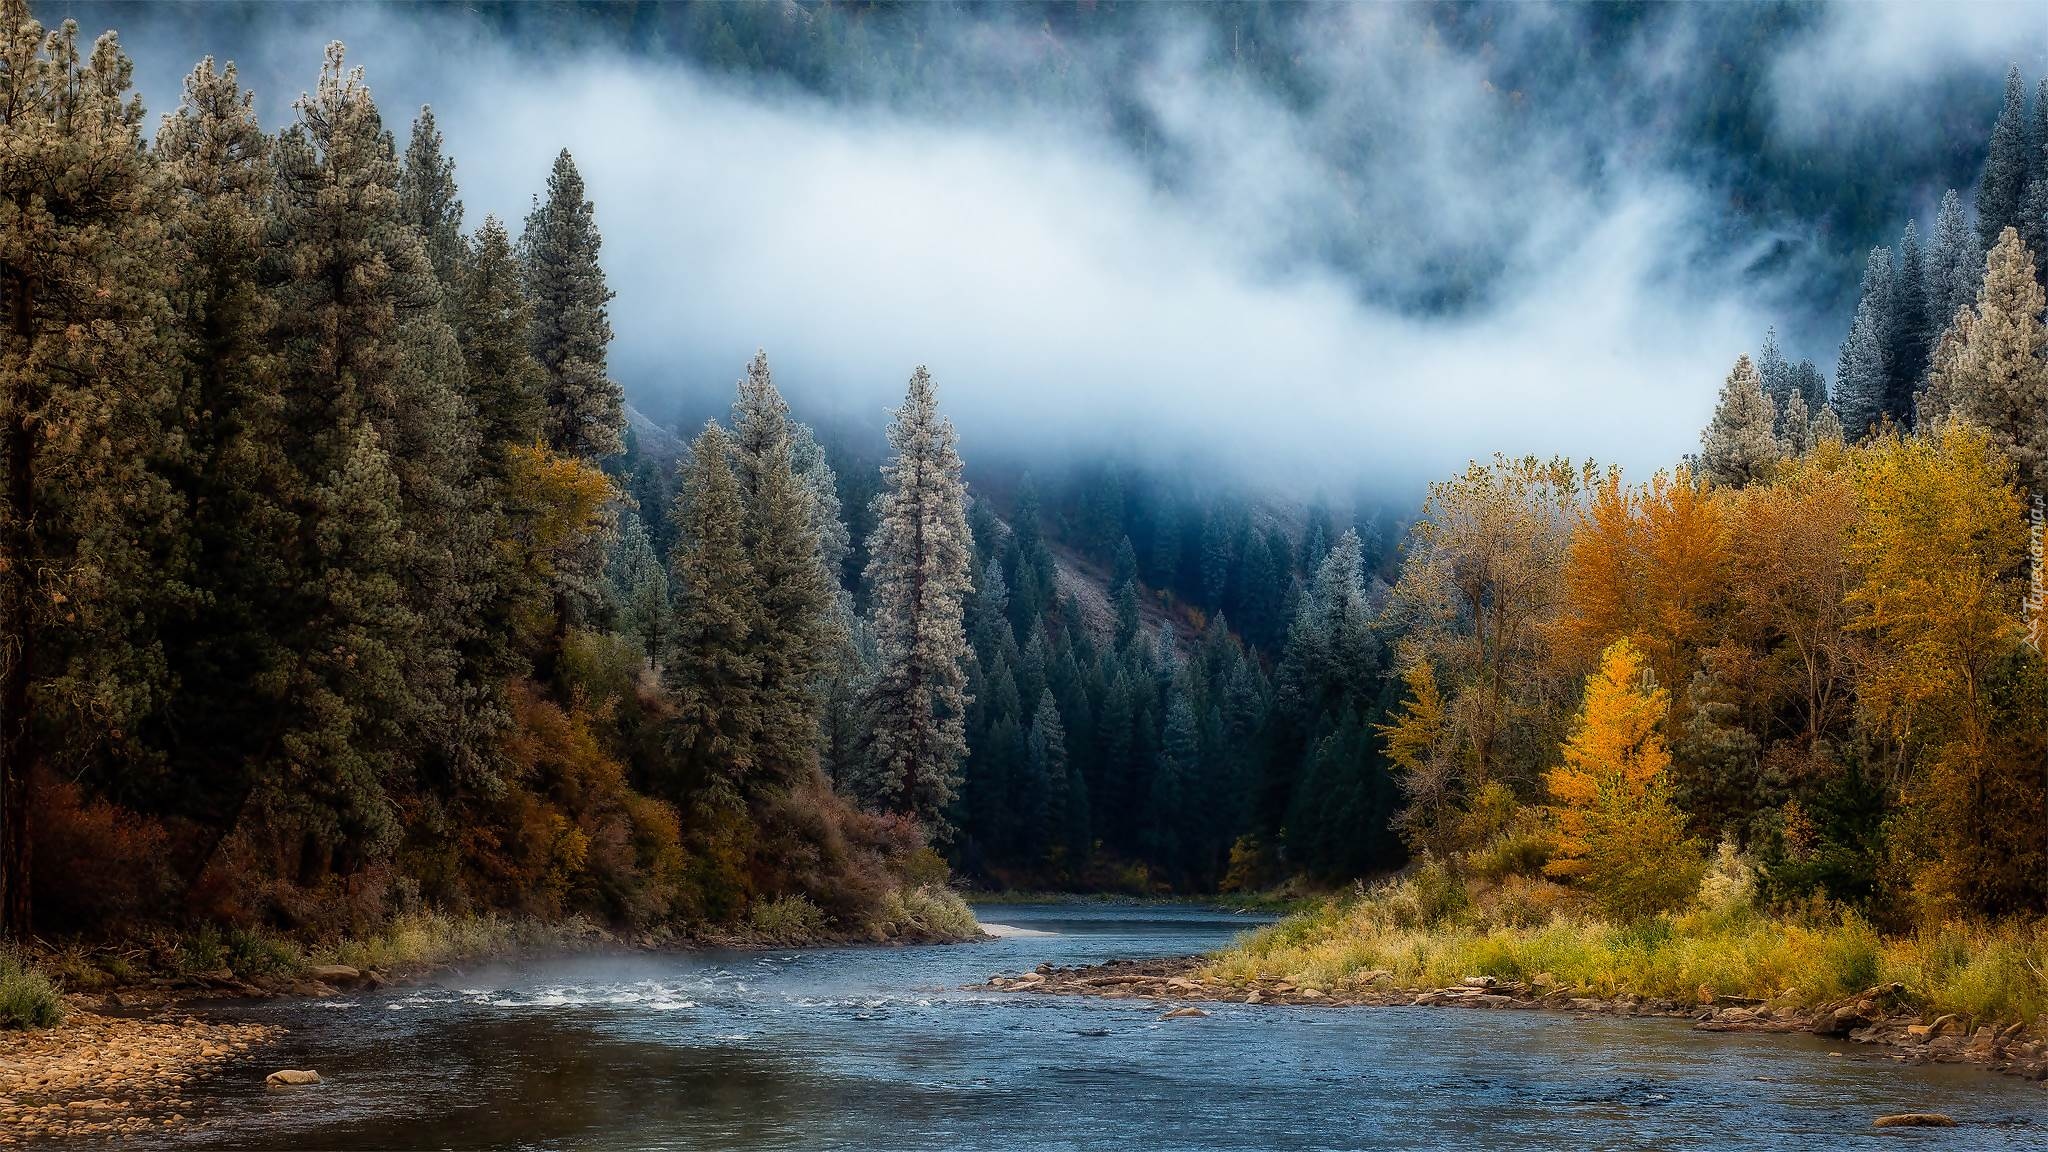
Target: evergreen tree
pixel 2001 380
pixel 1047 749
pixel 571 331
pixel 1945 375
pixel 502 380
pixel 427 199
pixel 1860 378
pixel 2034 205
pixel 1955 266
pixel 1810 385
pixel 1795 428
pixel 80 418
pixel 1180 762
pixel 2003 185
pixel 792 641
pixel 918 575
pixel 222 645
pixel 1908 341
pixel 711 671
pixel 1331 663
pixel 1773 372
pixel 1738 447
pixel 371 373
pixel 641 586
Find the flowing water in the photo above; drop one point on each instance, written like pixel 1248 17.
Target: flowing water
pixel 883 1048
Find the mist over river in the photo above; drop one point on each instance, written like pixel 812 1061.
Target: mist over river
pixel 883 1048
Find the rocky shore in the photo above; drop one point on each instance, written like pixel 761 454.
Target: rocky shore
pixel 101 1077
pixel 121 1062
pixel 1883 1016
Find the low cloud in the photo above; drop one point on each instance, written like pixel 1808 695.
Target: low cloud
pixel 1405 265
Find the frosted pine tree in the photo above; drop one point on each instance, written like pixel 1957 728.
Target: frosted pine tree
pixel 2006 165
pixel 571 329
pixel 1795 428
pixel 1937 401
pixel 918 574
pixel 1955 265
pixel 2001 382
pixel 1772 370
pixel 2034 205
pixel 1860 379
pixel 1826 427
pixel 1739 446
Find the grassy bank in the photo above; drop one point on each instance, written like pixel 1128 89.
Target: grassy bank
pixel 1432 929
pixel 30 986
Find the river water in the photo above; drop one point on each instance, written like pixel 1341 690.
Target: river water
pixel 883 1048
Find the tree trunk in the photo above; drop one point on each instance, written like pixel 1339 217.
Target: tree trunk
pixel 18 752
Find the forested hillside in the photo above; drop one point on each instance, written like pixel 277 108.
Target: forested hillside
pixel 321 604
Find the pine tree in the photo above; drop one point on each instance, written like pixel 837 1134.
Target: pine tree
pixel 1826 427
pixel 2034 206
pixel 427 199
pixel 223 646
pixel 571 332
pixel 1795 428
pixel 792 641
pixel 372 374
pixel 502 381
pixel 641 585
pixel 1180 763
pixel 1955 266
pixel 82 389
pixel 1773 372
pixel 1810 385
pixel 1908 341
pixel 918 575
pixel 1945 374
pixel 2003 184
pixel 1331 663
pixel 1860 377
pixel 1738 447
pixel 1047 748
pixel 2000 381
pixel 710 673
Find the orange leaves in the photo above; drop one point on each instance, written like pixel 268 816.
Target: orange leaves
pixel 561 499
pixel 1649 563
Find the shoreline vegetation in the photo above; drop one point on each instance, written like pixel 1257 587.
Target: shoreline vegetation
pixel 1951 991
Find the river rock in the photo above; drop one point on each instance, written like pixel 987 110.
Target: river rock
pixel 1915 1120
pixel 1478 982
pixel 339 975
pixel 291 1077
pixel 1188 1013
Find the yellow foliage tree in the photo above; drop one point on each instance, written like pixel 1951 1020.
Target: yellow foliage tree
pixel 1426 770
pixel 1620 835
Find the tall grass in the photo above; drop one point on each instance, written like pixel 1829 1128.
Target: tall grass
pixel 1422 939
pixel 425 939
pixel 28 998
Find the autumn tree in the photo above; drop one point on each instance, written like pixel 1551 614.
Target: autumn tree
pixel 1620 835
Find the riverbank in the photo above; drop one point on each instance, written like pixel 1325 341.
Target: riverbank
pixel 125 1049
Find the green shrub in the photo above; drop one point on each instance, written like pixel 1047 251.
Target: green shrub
pixel 926 912
pixel 786 920
pixel 28 998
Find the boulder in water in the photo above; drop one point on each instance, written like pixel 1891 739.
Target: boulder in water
pixel 1187 1013
pixel 1915 1120
pixel 291 1078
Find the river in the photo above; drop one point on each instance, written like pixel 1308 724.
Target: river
pixel 882 1048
